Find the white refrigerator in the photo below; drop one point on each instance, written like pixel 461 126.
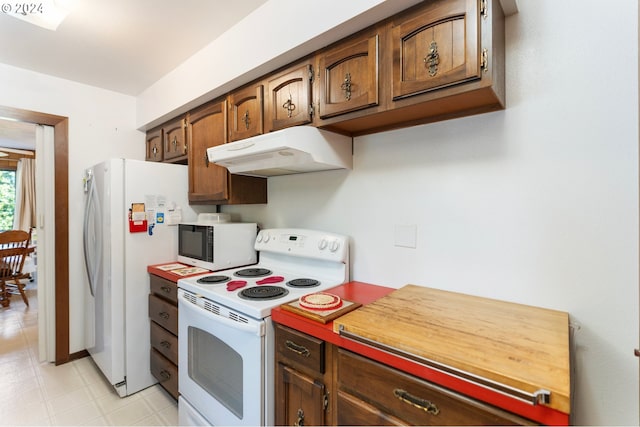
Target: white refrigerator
pixel 120 195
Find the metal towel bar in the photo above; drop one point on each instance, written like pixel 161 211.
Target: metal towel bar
pixel 538 397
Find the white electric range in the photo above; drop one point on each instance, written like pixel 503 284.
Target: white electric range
pixel 226 338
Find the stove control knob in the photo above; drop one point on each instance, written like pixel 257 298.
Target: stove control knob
pixel 267 237
pixel 259 238
pixel 323 244
pixel 335 245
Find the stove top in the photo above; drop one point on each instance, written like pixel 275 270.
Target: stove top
pixel 293 263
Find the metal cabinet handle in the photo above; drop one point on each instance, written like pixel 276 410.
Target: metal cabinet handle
pixel 298 349
pixel 300 419
pixel 164 315
pixel 346 86
pixel 206 160
pixel 165 344
pixel 154 150
pixel 289 106
pixel 166 375
pixel 418 402
pixel 174 142
pixel 432 59
pixel 166 289
pixel 246 119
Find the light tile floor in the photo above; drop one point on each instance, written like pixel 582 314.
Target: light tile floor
pixel 76 393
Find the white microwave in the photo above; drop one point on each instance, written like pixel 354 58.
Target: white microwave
pixel 217 246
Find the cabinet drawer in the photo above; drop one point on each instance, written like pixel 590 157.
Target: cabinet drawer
pixel 165 342
pixel 166 372
pixel 164 288
pixel 300 350
pixel 164 314
pixel 411 399
pixel 354 412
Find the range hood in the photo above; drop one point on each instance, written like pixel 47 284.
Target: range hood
pixel 297 149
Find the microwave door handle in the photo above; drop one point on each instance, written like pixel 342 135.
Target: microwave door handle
pixel 254 327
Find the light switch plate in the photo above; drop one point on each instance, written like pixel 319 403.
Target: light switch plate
pixel 405 236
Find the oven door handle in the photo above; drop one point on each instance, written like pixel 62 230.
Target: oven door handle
pixel 254 327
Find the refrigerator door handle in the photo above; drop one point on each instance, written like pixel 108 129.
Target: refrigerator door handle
pixel 92 203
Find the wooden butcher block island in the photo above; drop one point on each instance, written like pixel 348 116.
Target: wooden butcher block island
pixel 521 350
pixel 423 356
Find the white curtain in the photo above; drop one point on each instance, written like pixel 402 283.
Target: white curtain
pixel 25 211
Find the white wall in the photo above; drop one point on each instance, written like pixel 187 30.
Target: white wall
pixel 101 126
pixel 537 204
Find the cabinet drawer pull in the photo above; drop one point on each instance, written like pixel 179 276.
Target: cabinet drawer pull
pixel 165 344
pixel 165 289
pixel 300 419
pixel 166 375
pixel 419 403
pixel 432 59
pixel 164 315
pixel 298 349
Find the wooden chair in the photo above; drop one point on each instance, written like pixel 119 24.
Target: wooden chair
pixel 14 247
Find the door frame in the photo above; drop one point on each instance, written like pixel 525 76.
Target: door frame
pixel 61 171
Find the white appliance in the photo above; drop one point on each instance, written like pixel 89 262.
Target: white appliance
pixel 225 334
pixel 217 245
pixel 292 150
pixel 116 320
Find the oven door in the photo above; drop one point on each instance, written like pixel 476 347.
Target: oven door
pixel 221 362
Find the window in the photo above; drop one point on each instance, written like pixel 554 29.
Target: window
pixel 7 198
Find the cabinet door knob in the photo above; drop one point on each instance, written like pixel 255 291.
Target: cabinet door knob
pixel 289 106
pixel 164 315
pixel 166 375
pixel 246 119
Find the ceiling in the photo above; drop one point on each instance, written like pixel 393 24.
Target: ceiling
pixel 119 45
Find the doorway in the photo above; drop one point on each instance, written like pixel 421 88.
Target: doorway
pixel 61 244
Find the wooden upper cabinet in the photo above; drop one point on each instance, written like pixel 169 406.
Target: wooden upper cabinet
pixel 207 127
pixel 246 113
pixel 288 98
pixel 154 146
pixel 437 47
pixel 348 76
pixel 175 140
pixel 209 183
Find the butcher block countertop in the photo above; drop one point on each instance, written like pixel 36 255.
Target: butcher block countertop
pixel 518 346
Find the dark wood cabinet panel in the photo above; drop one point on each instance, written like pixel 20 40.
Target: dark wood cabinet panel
pixel 154 151
pixel 410 399
pixel 437 47
pixel 353 411
pixel 209 183
pixel 207 127
pixel 165 371
pixel 246 112
pixel 163 313
pixel 288 98
pixel 302 399
pixel 348 76
pixel 175 140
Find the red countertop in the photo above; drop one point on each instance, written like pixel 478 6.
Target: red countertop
pixel 366 293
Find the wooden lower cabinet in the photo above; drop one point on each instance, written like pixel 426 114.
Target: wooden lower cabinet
pixel 318 383
pixel 163 312
pixel 370 392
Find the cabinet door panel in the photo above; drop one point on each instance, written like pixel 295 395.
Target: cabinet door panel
pixel 436 48
pixel 354 412
pixel 414 400
pixel 175 139
pixel 245 113
pixel 289 99
pixel 207 128
pixel 154 146
pixel 304 398
pixel 349 77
